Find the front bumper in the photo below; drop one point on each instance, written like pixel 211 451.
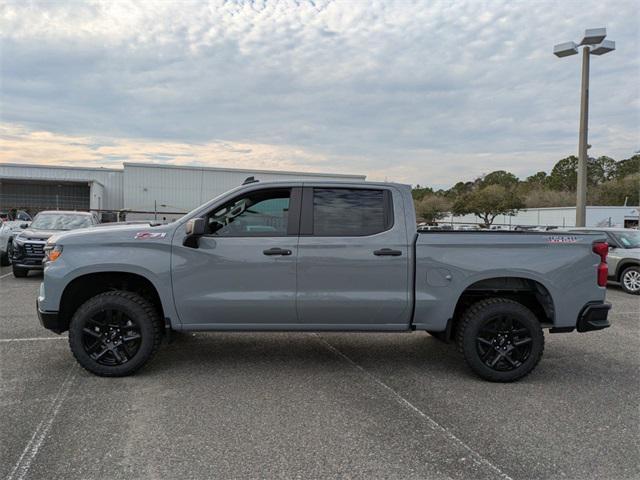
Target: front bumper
pixel 50 320
pixel 27 265
pixel 593 317
pixel 29 255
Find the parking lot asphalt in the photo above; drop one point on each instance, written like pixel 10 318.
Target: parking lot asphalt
pixel 245 405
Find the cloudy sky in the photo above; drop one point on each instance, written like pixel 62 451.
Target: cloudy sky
pixel 422 92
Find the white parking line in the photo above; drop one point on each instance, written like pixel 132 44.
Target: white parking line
pixel 6 275
pixel 22 466
pixel 475 456
pixel 32 339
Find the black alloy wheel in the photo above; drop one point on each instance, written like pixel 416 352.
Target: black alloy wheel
pixel 115 333
pixel 504 343
pixel 111 337
pixel 500 338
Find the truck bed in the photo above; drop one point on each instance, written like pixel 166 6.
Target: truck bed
pixel 554 265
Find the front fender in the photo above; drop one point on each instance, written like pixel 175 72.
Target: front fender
pixel 59 275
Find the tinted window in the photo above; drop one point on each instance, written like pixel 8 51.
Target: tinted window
pixel 263 213
pixel 349 212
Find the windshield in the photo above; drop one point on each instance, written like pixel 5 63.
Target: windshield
pixel 60 221
pixel 630 239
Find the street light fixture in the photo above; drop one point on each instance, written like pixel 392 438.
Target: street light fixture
pixel 593 43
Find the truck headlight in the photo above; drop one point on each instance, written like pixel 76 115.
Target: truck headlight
pixel 53 252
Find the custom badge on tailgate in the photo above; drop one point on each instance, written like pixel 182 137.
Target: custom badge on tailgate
pixel 562 239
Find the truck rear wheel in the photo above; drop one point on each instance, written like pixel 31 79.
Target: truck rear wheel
pixel 501 339
pixel 114 333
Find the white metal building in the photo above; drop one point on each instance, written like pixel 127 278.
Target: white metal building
pixel 597 216
pixel 169 190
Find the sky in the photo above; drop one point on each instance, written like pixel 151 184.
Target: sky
pixel 426 92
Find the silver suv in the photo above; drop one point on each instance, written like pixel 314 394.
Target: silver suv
pixel 624 255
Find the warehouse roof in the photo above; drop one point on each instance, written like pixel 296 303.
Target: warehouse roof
pixel 242 170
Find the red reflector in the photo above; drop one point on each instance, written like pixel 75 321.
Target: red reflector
pixel 602 249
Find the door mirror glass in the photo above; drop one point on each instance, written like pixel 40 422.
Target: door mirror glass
pixel 195 226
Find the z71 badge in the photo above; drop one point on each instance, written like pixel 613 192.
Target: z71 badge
pixel 562 239
pixel 149 235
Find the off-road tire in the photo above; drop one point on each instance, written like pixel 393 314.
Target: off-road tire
pixel 635 271
pixel 20 272
pixel 133 306
pixel 477 316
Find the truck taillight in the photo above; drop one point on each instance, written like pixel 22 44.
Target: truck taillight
pixel 601 249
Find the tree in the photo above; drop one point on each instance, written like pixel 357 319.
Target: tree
pixel 459 189
pixel 432 208
pixel 540 197
pixel 602 169
pixel 629 166
pixel 489 202
pixel 564 176
pixel 616 192
pixel 538 180
pixel 499 177
pixel 418 192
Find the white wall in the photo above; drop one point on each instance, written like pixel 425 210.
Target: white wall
pixel 558 216
pixel 184 188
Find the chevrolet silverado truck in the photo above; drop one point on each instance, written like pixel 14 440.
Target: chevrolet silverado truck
pixel 320 256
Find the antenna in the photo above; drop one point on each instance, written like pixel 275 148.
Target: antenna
pixel 249 180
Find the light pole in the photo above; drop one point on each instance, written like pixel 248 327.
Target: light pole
pixel 593 43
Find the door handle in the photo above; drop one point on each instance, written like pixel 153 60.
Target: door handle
pixel 387 252
pixel 277 251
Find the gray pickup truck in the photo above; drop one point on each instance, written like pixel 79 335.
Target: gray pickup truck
pixel 325 256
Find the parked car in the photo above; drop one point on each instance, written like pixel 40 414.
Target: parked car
pixel 28 246
pixel 10 225
pixel 624 255
pixel 319 256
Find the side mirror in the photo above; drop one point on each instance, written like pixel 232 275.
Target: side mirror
pixel 24 225
pixel 195 226
pixel 194 229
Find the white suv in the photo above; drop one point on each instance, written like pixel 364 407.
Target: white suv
pixel 9 228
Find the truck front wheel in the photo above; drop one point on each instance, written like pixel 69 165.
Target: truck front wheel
pixel 501 339
pixel 114 333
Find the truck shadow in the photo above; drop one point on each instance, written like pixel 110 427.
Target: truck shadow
pixel 381 353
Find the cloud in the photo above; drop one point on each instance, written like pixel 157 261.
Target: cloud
pixel 415 92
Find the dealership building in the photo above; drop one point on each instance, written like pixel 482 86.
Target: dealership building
pixel 140 189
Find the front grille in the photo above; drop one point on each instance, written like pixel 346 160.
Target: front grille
pixel 34 249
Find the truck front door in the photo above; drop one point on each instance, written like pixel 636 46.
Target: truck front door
pixel 242 273
pixel 353 259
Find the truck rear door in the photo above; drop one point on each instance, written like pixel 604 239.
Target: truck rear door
pixel 353 259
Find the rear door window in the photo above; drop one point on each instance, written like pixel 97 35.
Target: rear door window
pixel 346 212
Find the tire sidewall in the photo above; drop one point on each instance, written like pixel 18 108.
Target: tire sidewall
pixel 624 287
pixel 518 312
pixel 19 272
pixel 130 308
